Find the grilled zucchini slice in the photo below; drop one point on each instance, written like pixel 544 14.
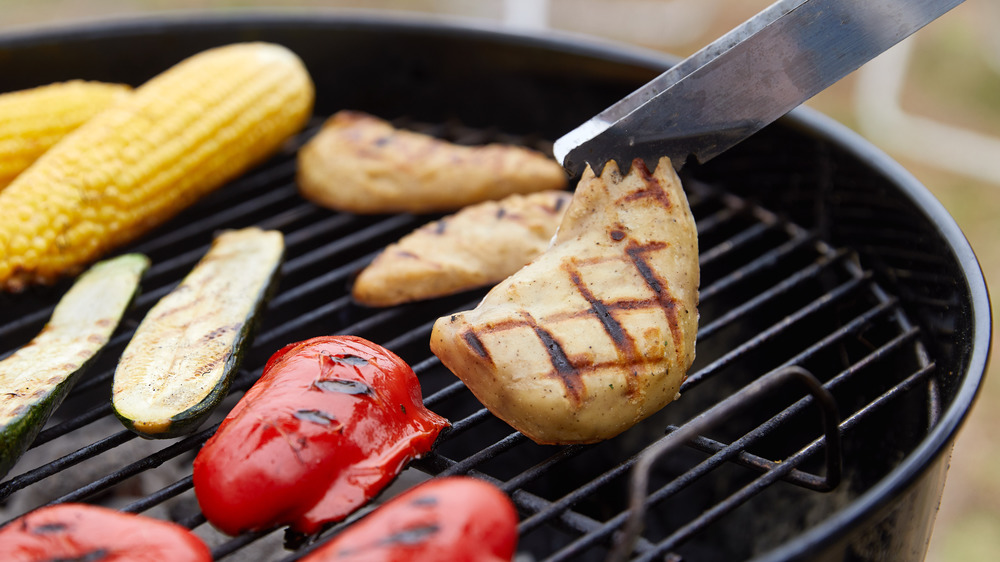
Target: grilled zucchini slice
pixel 36 378
pixel 182 359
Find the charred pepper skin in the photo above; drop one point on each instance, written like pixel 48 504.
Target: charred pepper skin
pixel 329 424
pixel 72 531
pixel 458 518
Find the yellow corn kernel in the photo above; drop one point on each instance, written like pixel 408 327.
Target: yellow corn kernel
pixel 133 166
pixel 32 120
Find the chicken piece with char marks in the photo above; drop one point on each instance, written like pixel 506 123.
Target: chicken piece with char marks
pixel 479 246
pixel 597 333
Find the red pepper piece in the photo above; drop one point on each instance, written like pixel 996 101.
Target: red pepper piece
pixel 459 519
pixel 73 531
pixel 331 422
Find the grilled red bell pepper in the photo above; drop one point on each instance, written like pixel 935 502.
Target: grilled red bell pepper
pixel 459 519
pixel 73 531
pixel 331 421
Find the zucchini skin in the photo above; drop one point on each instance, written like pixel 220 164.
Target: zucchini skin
pixel 185 421
pixel 100 296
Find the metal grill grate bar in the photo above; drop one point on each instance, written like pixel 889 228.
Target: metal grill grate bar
pixel 142 465
pixel 60 464
pixel 162 495
pixel 778 291
pixel 781 327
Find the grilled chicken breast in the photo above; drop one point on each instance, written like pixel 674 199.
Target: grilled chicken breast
pixel 361 164
pixel 480 245
pixel 598 332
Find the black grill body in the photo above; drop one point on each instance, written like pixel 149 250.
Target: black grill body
pixel 817 252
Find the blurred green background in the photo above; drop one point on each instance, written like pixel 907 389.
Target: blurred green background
pixel 933 103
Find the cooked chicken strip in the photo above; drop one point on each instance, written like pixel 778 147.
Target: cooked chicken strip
pixel 361 164
pixel 478 246
pixel 598 332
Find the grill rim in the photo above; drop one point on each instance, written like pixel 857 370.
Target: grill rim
pixel 932 449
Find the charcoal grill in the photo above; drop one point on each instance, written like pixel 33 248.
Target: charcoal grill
pixel 820 257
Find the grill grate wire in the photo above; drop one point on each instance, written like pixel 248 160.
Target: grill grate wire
pixel 770 290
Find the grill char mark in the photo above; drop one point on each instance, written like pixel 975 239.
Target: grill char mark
pixel 91 556
pixel 653 188
pixel 343 386
pixel 611 326
pixel 623 341
pixel 637 254
pixel 560 203
pixel 665 299
pixel 48 528
pixel 476 344
pixel 346 359
pixel 315 416
pixel 412 535
pixel 514 324
pixel 563 367
pixel 570 376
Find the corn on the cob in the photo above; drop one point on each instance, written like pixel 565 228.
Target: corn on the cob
pixel 32 120
pixel 133 166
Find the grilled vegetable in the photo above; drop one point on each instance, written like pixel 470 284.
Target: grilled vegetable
pixel 182 358
pixel 37 377
pixel 453 518
pixel 331 422
pixel 31 121
pixel 130 168
pixel 84 532
pixel 598 332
